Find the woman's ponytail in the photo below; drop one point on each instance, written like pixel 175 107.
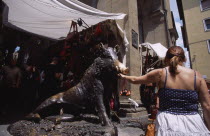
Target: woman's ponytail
pixel 173 65
pixel 174 56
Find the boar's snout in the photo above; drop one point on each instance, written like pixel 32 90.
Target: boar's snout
pixel 121 67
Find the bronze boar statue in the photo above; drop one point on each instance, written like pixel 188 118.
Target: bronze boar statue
pixel 93 87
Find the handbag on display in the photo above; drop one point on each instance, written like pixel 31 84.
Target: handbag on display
pixel 150 129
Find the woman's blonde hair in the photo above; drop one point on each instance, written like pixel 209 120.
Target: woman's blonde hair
pixel 174 56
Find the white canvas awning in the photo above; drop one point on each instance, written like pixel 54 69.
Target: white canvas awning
pixel 51 18
pixel 158 48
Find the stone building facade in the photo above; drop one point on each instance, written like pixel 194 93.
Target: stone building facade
pixel 147 21
pixel 196 33
pixel 156 22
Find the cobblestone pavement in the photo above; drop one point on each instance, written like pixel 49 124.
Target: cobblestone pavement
pixel 3 130
pixel 128 127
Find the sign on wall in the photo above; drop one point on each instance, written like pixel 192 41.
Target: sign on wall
pixel 135 42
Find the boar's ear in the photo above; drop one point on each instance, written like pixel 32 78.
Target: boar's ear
pixel 101 45
pixel 126 71
pixel 116 48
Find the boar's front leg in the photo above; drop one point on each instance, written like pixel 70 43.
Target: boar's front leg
pixel 99 90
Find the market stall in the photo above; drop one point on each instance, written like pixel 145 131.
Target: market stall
pixel 152 58
pixel 65 31
pixel 49 21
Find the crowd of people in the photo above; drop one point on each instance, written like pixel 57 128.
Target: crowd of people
pixel 24 87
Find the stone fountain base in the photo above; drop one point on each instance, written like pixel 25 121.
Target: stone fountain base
pixel 87 125
pixel 47 128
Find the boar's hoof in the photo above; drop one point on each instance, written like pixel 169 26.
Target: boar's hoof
pixel 35 117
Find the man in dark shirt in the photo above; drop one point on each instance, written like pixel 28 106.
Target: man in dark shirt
pixel 11 77
pixel 51 81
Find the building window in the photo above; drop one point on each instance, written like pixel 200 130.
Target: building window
pixel 206 23
pixel 205 5
pixel 208 44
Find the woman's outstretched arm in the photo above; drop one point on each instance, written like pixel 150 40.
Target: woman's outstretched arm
pixel 151 77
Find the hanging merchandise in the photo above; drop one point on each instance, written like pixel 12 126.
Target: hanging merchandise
pixel 65 52
pixel 73 35
pixel 72 38
pixel 78 45
pixel 147 58
pixel 98 30
pixel 150 129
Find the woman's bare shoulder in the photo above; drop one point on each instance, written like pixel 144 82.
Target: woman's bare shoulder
pixel 187 70
pixel 196 73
